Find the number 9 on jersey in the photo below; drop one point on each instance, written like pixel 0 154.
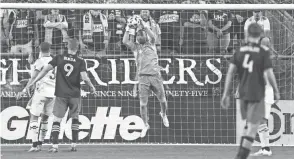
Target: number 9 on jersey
pixel 68 68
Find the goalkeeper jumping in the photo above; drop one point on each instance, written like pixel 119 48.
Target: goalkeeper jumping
pixel 149 76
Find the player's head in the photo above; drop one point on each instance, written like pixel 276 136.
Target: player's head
pixel 111 15
pixel 145 14
pixel 142 37
pixel 54 11
pixel 254 32
pixel 73 46
pixel 45 48
pixel 257 14
pixel 95 12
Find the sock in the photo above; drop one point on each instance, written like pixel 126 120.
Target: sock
pixel 163 106
pixel 43 131
pixel 143 111
pixel 55 132
pixel 34 127
pixel 75 130
pixel 263 132
pixel 245 146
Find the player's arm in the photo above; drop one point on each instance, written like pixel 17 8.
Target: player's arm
pixel 229 78
pixel 228 25
pixel 225 102
pixel 246 25
pixel 44 71
pixel 269 74
pixel 87 80
pixel 63 24
pixel 33 77
pixel 11 21
pixel 85 77
pixel 48 24
pixel 150 34
pixel 213 27
pixel 127 41
pixel 267 28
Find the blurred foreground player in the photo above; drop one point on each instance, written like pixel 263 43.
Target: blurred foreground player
pixel 253 63
pixel 42 100
pixel 70 69
pixel 148 72
pixel 263 130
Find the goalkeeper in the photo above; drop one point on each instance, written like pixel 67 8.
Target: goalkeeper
pixel 148 70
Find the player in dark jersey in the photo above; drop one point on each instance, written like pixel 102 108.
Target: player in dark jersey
pixel 70 69
pixel 253 64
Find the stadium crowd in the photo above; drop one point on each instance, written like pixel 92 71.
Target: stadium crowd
pixel 100 32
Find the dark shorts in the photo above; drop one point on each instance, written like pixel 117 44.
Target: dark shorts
pixel 253 112
pixel 62 104
pixel 154 83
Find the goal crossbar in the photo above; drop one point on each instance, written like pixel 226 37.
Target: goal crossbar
pixel 148 6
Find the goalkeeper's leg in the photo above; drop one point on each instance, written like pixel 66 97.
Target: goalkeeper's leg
pixel 158 88
pixel 144 94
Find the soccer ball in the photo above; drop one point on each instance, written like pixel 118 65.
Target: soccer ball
pixel 134 21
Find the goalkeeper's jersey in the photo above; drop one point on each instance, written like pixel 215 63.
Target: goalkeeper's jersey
pixel 46 86
pixel 148 60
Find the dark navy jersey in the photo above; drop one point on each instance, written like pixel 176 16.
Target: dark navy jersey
pixel 68 76
pixel 251 61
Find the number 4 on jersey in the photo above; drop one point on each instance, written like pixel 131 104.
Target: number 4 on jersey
pixel 247 64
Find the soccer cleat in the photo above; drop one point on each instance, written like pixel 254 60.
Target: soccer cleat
pixel 164 119
pixel 144 130
pixel 53 149
pixel 73 149
pixel 262 152
pixel 39 147
pixel 34 149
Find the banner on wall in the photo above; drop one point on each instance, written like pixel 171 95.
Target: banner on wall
pixel 194 103
pixel 280 122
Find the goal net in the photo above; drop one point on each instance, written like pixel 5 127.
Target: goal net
pixel 193 53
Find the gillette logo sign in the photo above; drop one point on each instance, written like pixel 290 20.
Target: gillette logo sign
pixel 106 124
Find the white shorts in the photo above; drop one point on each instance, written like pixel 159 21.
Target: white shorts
pixel 41 105
pixel 268 100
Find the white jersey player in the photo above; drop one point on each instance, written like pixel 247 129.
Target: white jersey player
pixel 261 21
pixel 43 99
pixel 263 130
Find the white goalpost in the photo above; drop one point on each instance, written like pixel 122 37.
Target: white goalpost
pixel 149 6
pixel 193 71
